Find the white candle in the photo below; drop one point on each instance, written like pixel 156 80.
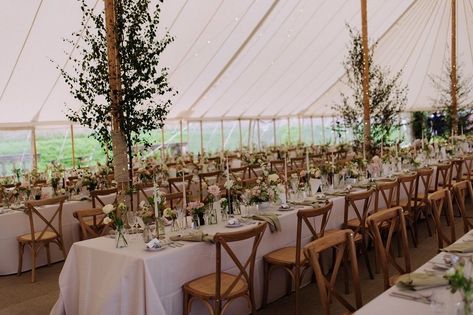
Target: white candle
pixel 397 149
pixel 307 159
pixel 422 139
pixel 382 148
pixel 228 170
pixel 285 175
pixel 156 213
pixel 184 201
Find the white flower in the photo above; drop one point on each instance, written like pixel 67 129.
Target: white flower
pixel 450 272
pixel 229 184
pixel 107 220
pixel 273 178
pixel 108 208
pixel 142 204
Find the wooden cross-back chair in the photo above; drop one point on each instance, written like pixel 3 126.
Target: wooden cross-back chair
pixel 462 190
pixel 359 224
pixel 50 233
pixel 343 242
pixel 297 163
pixel 386 192
pixel 439 201
pixel 443 177
pixel 176 200
pixel 468 170
pixel 457 171
pixel 215 159
pixel 141 193
pixel 277 166
pixel 237 173
pixel 341 154
pixel 252 173
pixel 186 180
pixel 223 288
pixel 97 195
pixel 291 259
pixel 391 221
pixel 91 223
pixel 406 187
pixel 210 178
pixel 421 202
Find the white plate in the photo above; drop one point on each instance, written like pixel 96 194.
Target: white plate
pixel 286 209
pixel 154 249
pixel 233 225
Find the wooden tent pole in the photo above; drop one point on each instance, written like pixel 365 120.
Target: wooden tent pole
pixel 73 147
pixel 223 136
pixel 289 130
pixel 274 132
pixel 323 130
pixel 163 155
pixel 300 129
pixel 241 136
pixel 259 135
pixel 33 145
pixel 366 77
pixel 453 74
pixel 201 138
pixel 180 136
pixel 312 129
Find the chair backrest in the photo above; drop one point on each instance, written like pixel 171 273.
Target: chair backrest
pixel 468 162
pixel 461 190
pixel 141 192
pixel 406 187
pixel 210 178
pixel 277 166
pixel 303 216
pixel 238 172
pixel 186 180
pixel 173 200
pixel 91 223
pixel 423 178
pixel 443 176
pixel 385 194
pixel 252 170
pixel 245 269
pixel 392 220
pixel 439 201
pixel 33 211
pixel 297 163
pixel 343 242
pixel 352 201
pixel 457 170
pixel 97 194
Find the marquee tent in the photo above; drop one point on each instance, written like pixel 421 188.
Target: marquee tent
pixel 237 59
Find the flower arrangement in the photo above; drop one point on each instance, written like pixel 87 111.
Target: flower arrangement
pixel 145 212
pixel 196 208
pixel 145 174
pixel 213 193
pixel 115 216
pixel 170 214
pixel 460 279
pixel 314 172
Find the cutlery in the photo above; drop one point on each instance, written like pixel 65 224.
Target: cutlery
pixel 412 297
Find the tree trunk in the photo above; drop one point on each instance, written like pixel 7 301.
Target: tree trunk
pixel 453 74
pixel 119 143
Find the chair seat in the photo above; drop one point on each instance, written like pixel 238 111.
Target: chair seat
pixel 284 256
pixel 205 286
pixel 47 236
pixel 355 223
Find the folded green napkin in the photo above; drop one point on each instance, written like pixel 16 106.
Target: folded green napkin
pixel 271 219
pixel 337 193
pixel 466 247
pixel 303 203
pixel 197 236
pixel 418 281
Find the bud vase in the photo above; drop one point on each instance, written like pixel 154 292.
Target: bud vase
pixel 120 240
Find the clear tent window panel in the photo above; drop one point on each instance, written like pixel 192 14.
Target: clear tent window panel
pixel 193 131
pixel 15 151
pixel 54 145
pixel 231 135
pixel 212 136
pixel 266 133
pixel 282 134
pixel 88 151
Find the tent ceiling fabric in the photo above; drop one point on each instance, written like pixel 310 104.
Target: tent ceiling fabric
pixel 239 59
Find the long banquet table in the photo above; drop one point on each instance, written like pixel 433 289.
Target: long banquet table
pixel 97 278
pixel 443 302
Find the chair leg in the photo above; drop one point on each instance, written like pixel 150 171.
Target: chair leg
pixel 364 252
pixel 33 264
pixel 48 253
pixel 265 283
pixel 21 249
pixel 185 307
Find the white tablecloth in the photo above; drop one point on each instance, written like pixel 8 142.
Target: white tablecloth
pixel 97 278
pixel 16 223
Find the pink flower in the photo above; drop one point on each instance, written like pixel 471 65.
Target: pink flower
pixel 214 190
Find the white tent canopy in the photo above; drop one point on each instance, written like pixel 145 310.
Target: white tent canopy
pixel 238 59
